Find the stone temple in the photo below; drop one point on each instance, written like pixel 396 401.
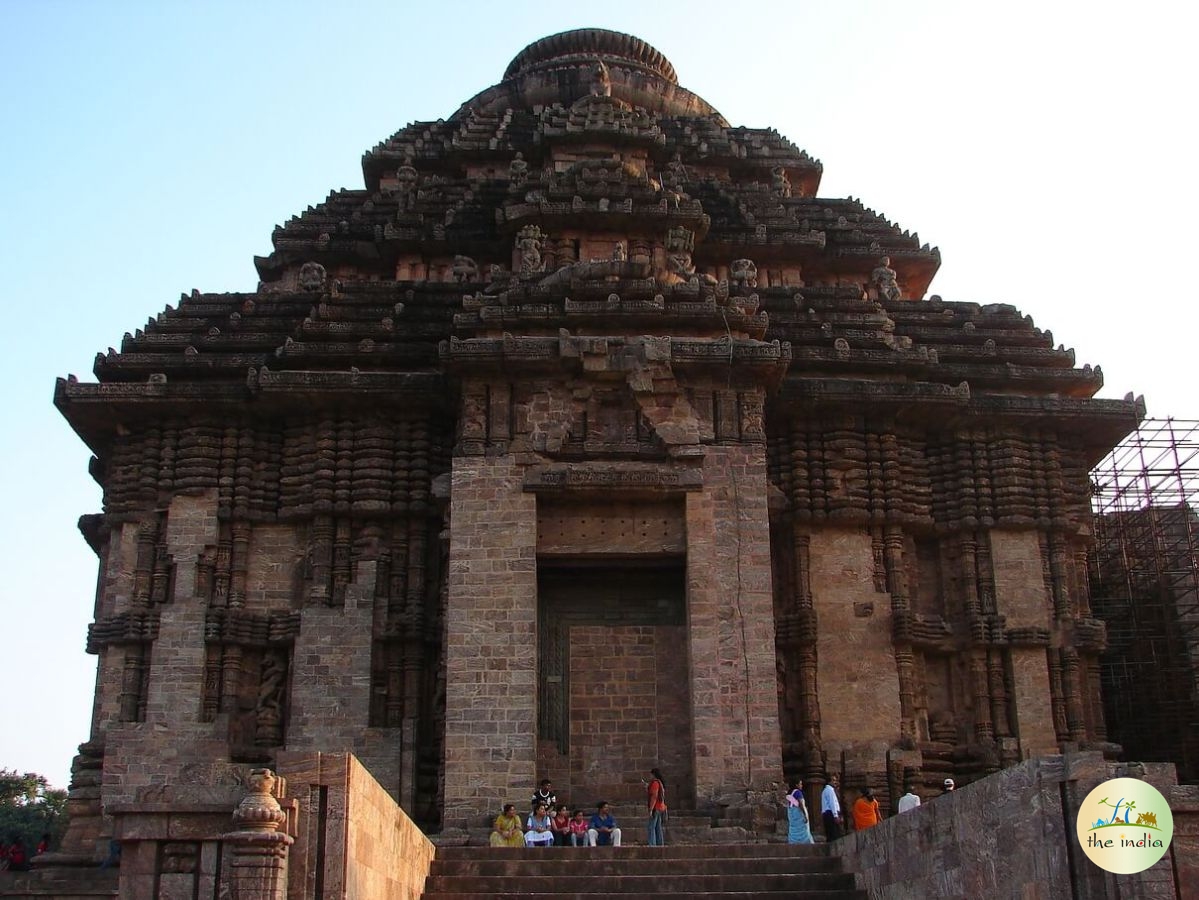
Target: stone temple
pixel 587 437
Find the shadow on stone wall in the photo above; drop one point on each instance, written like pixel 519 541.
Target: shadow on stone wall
pixel 1013 835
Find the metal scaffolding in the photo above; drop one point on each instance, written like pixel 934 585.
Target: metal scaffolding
pixel 1145 585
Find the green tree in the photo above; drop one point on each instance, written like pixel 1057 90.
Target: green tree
pixel 29 808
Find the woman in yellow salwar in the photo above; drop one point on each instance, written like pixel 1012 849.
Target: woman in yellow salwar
pixel 506 832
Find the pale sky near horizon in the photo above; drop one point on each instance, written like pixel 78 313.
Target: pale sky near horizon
pixel 151 147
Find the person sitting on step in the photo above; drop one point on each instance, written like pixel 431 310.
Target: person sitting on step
pixel 506 831
pixel 544 794
pixel 561 826
pixel 602 829
pixel 539 828
pixel 578 829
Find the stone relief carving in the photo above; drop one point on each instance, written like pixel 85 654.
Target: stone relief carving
pixel 406 179
pixel 270 707
pixel 780 184
pixel 464 269
pixel 528 245
pixel 743 273
pixel 601 80
pixel 884 280
pixel 518 169
pixel 679 267
pixel 312 277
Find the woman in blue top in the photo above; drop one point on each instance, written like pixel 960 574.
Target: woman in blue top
pixel 799 831
pixel 539 827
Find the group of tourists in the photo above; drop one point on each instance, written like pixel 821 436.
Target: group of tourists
pixel 863 813
pixel 553 824
pixel 14 857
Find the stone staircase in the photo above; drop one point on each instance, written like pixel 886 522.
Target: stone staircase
pixel 700 871
pixel 60 883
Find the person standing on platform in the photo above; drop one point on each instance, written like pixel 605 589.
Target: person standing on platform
pixel 830 809
pixel 657 809
pixel 799 828
pixel 866 812
pixel 908 801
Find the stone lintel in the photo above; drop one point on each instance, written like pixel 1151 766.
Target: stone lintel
pixel 572 479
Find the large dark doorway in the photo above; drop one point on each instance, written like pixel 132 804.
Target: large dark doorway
pixel 613 680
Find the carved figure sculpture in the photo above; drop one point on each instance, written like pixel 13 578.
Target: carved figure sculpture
pixel 601 81
pixel 406 178
pixel 674 176
pixel 464 269
pixel 269 714
pixel 679 242
pixel 312 276
pixel 780 183
pixel 528 243
pixel 518 169
pixel 618 252
pixel 743 273
pixel 884 280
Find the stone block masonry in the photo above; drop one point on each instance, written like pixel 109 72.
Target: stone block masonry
pixel 491 619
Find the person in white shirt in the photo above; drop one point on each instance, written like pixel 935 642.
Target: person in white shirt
pixel 909 800
pixel 830 809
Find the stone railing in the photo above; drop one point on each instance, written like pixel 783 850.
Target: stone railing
pixel 1013 835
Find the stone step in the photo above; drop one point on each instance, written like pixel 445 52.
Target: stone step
pixel 691 834
pixel 681 851
pixel 699 872
pixel 582 862
pixel 671 883
pixel 62 884
pixel 591 892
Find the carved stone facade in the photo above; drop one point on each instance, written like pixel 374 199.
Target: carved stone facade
pixel 587 438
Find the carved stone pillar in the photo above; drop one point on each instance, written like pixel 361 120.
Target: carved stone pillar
pixel 809 698
pixel 320 561
pixel 998 691
pixel 1075 721
pixel 239 564
pixel 259 848
pixel 1057 695
pixel 983 726
pixel 1059 578
pixel 969 570
pixel 897 586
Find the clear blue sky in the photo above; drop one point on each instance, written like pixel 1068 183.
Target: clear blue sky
pixel 150 147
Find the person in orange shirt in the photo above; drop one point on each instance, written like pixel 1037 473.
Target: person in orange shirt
pixel 865 811
pixel 656 790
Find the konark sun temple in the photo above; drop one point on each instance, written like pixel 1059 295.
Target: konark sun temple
pixel 585 438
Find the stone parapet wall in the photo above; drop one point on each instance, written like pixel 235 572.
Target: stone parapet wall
pixel 1013 835
pixel 353 840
